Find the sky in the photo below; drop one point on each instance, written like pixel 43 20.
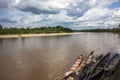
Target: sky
pixel 74 14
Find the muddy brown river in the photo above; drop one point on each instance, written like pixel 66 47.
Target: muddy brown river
pixel 45 58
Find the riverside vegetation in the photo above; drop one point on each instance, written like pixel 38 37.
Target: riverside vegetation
pixel 28 30
pixel 117 29
pixel 49 29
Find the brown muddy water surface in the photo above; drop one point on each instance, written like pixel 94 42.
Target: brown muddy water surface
pixel 45 58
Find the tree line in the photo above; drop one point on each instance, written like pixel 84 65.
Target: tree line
pixel 29 30
pixel 49 29
pixel 117 29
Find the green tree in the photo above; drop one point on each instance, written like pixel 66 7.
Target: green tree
pixel 1 26
pixel 119 25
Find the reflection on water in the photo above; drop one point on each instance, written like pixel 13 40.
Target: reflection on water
pixel 44 58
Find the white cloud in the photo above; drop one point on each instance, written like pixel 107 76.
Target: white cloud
pixel 99 17
pixel 101 2
pixel 32 18
pixel 95 14
pixel 78 13
pixel 42 6
pixel 17 1
pixel 116 13
pixel 61 17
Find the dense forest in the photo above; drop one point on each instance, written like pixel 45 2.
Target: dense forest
pixel 100 30
pixel 28 30
pixel 49 29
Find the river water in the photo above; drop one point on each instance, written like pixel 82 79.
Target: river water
pixel 45 58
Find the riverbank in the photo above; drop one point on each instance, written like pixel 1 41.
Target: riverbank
pixel 35 35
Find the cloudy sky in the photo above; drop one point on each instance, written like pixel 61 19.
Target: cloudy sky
pixel 75 14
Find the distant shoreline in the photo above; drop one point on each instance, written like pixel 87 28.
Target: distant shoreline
pixel 34 35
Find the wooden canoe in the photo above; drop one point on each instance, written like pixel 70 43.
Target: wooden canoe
pixel 75 75
pixel 88 68
pixel 99 67
pixel 111 65
pixel 74 67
